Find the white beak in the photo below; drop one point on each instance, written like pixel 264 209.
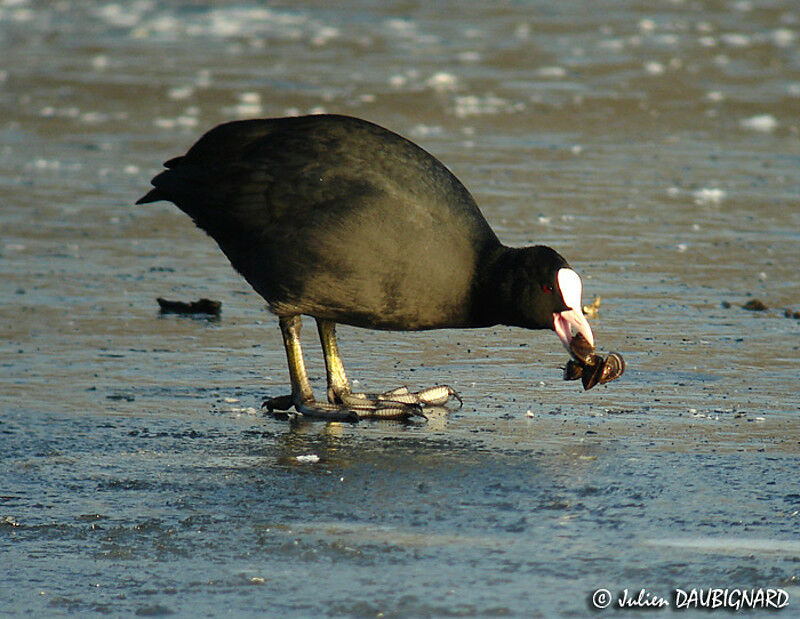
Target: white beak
pixel 572 321
pixel 569 323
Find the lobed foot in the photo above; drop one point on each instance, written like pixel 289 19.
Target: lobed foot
pixel 433 396
pixel 280 403
pixel 351 411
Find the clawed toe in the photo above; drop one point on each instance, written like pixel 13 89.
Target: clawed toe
pixel 398 403
pixel 343 404
pixel 355 409
pixel 280 403
pixel 433 396
pixel 438 396
pixel 328 412
pixel 388 409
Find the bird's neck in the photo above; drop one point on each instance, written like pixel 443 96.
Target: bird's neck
pixel 500 277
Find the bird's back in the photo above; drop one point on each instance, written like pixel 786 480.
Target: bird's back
pixel 336 218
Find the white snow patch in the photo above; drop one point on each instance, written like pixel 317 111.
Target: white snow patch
pixel 442 81
pixel 783 37
pixel 761 122
pixel 522 31
pixel 422 130
pixel 737 39
pixel 654 68
pixel 100 62
pixel 180 92
pixel 709 195
pixel 489 104
pixel 555 72
pixel 647 25
pixel 469 57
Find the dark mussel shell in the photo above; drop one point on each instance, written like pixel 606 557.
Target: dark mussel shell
pixel 602 371
pixel 581 349
pixel 592 372
pixel 597 371
pixel 613 368
pixel 573 370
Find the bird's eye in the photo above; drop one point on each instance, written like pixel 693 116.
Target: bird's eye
pixel 547 288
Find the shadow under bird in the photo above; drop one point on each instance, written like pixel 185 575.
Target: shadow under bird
pixel 339 219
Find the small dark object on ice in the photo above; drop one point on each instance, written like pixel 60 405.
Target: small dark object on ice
pixel 790 314
pixel 755 305
pixel 203 306
pixel 591 368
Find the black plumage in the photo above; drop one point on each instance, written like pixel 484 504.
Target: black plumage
pixel 340 219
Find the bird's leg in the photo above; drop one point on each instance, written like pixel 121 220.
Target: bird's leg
pixel 302 395
pixel 338 385
pixel 400 400
pixel 339 391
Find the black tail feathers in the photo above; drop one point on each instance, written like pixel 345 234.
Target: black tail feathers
pixel 154 195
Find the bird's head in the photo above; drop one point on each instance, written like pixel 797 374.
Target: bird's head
pixel 547 294
pixel 568 318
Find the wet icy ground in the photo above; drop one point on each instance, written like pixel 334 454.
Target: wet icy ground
pixel 656 147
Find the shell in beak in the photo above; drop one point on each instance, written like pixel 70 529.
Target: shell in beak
pixel 569 324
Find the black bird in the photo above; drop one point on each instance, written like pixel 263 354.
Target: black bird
pixel 339 219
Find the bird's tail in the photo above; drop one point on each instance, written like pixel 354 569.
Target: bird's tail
pixel 154 195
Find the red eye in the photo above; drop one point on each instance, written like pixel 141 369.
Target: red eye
pixel 547 288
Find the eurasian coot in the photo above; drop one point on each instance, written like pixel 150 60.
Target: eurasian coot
pixel 339 219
